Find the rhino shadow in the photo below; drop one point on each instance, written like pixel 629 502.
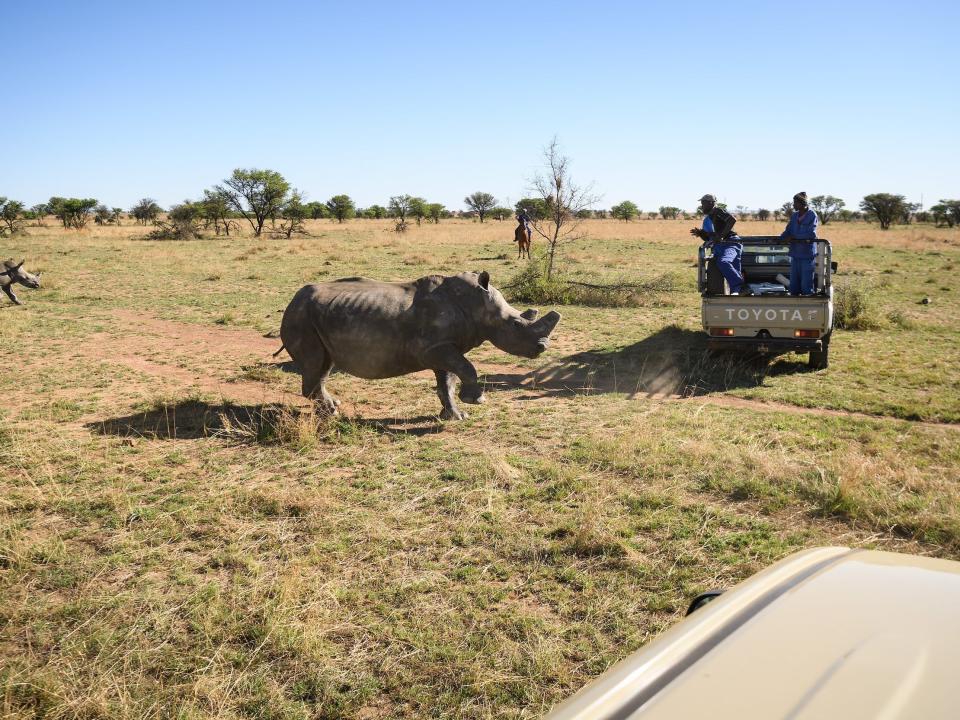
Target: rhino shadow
pixel 671 361
pixel 259 424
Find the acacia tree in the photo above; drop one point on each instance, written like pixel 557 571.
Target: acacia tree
pixel 72 212
pixel 946 212
pixel 400 206
pixel 418 208
pixel 885 208
pixel 215 210
pixel 40 211
pixel 626 211
pixel 826 207
pixel 146 210
pixel 481 203
pixel 669 212
pixel 536 208
pixel 562 199
pixel 102 214
pixel 763 214
pixel 341 207
pixel 294 212
pixel 11 217
pixel 256 194
pixel 435 212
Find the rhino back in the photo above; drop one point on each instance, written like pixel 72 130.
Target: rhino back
pixel 372 329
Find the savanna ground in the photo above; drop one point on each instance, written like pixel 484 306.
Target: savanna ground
pixel 179 537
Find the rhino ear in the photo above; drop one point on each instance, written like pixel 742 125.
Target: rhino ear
pixel 484 280
pixel 530 314
pixel 20 265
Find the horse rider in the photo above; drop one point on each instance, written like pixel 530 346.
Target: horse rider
pixel 523 217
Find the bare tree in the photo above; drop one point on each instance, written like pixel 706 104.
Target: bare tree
pixel 563 200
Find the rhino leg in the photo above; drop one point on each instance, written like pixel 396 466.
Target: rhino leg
pixel 447 357
pixel 8 289
pixel 446 383
pixel 315 366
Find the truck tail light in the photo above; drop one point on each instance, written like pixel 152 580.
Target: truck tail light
pixel 722 332
pixel 806 333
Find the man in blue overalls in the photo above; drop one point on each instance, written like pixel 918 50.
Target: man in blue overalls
pixel 802 233
pixel 727 250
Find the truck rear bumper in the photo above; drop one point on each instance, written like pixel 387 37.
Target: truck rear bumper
pixel 765 345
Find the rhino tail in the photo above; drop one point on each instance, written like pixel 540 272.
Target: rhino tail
pixel 282 348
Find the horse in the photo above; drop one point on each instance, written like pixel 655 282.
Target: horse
pixel 522 237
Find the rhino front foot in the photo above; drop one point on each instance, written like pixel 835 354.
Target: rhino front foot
pixel 452 414
pixel 472 394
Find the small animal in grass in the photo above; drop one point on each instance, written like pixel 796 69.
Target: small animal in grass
pixel 11 273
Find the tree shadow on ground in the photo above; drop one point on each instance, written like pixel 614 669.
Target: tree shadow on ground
pixel 260 424
pixel 672 361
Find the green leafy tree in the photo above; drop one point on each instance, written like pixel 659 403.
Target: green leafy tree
pixel 501 213
pixel 652 215
pixel 40 211
pixel 435 211
pixel 826 207
pixel 316 210
pixel 480 203
pixel 256 194
pixel 116 214
pixel 341 207
pixel 536 208
pixel 293 213
pixel 400 206
pixel 102 214
pixel 848 215
pixel 763 214
pixel 786 210
pixel 946 212
pixel 669 212
pixel 182 223
pixel 626 211
pixel 215 210
pixel 885 208
pixel 72 212
pixel 11 217
pixel 418 209
pixel 146 211
pixel 602 214
pixel 377 212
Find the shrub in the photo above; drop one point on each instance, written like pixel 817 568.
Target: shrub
pixel 853 308
pixel 532 286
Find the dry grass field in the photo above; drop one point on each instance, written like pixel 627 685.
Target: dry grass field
pixel 180 537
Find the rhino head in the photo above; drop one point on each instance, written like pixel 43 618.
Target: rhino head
pixel 17 274
pixel 518 333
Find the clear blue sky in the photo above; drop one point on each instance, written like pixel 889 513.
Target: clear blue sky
pixel 654 102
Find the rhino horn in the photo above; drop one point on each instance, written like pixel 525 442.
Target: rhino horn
pixel 530 314
pixel 545 325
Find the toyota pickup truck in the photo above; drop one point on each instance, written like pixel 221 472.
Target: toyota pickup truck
pixel 769 321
